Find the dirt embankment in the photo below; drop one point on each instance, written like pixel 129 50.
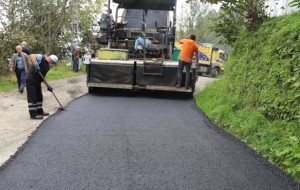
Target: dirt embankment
pixel 15 123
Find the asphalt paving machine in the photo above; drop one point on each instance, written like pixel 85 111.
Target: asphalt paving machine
pixel 137 48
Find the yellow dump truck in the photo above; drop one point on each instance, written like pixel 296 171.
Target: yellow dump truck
pixel 211 59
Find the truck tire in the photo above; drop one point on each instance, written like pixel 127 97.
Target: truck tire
pixel 215 72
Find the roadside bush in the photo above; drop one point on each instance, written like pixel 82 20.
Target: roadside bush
pixel 269 64
pixel 8 42
pixel 258 97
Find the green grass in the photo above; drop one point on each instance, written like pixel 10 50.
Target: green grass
pixel 257 99
pixel 8 83
pixel 277 141
pixel 60 71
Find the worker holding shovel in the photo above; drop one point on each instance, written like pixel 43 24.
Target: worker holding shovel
pixel 35 76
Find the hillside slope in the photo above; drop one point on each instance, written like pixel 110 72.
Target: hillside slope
pixel 258 98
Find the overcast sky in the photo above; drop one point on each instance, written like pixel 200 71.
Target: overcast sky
pixel 182 3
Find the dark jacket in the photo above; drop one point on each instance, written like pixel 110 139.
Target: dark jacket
pixel 33 75
pixel 25 50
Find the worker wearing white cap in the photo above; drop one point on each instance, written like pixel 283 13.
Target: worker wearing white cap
pixel 40 66
pixel 25 48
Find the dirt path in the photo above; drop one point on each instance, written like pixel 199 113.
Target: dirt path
pixel 15 124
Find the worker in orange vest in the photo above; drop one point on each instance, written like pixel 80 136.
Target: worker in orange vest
pixel 185 58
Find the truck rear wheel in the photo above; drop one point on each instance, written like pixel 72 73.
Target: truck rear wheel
pixel 215 72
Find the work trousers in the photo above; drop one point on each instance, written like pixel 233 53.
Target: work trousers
pixel 75 65
pixel 187 67
pixel 34 98
pixel 20 74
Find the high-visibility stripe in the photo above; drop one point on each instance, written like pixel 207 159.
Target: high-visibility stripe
pixel 32 108
pixel 31 104
pixel 38 107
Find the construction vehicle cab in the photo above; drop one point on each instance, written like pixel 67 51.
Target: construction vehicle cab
pixel 137 48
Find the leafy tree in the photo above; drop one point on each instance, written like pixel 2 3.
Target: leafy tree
pixel 238 15
pixel 45 24
pixel 196 18
pixel 295 3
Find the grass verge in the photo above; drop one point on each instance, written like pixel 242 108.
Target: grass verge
pixel 60 71
pixel 276 140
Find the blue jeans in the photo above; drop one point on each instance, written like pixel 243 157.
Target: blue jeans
pixel 20 74
pixel 75 65
pixel 187 66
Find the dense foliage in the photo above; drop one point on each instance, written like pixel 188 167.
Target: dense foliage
pixel 295 3
pixel 236 15
pixel 196 18
pixel 47 26
pixel 270 64
pixel 258 97
pixel 200 19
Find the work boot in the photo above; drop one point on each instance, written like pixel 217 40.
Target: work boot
pixel 44 114
pixel 37 117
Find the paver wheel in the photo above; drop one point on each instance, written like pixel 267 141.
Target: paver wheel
pixel 91 90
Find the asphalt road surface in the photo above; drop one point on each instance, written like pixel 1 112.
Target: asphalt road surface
pixel 125 142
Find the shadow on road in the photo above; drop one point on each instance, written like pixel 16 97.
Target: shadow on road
pixel 142 93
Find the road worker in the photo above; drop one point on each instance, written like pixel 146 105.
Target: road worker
pixel 185 58
pixel 40 66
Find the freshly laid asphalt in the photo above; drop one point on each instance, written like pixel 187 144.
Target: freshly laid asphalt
pixel 139 142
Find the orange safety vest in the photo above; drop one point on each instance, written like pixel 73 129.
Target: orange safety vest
pixel 188 50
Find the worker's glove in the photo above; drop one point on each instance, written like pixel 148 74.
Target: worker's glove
pixel 49 88
pixel 37 68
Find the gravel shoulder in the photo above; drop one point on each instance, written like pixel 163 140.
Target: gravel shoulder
pixel 16 126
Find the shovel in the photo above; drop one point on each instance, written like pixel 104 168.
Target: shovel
pixel 46 83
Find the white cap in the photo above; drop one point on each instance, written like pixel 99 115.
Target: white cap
pixel 24 44
pixel 53 58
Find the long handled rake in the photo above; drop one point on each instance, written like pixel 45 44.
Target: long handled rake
pixel 46 83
